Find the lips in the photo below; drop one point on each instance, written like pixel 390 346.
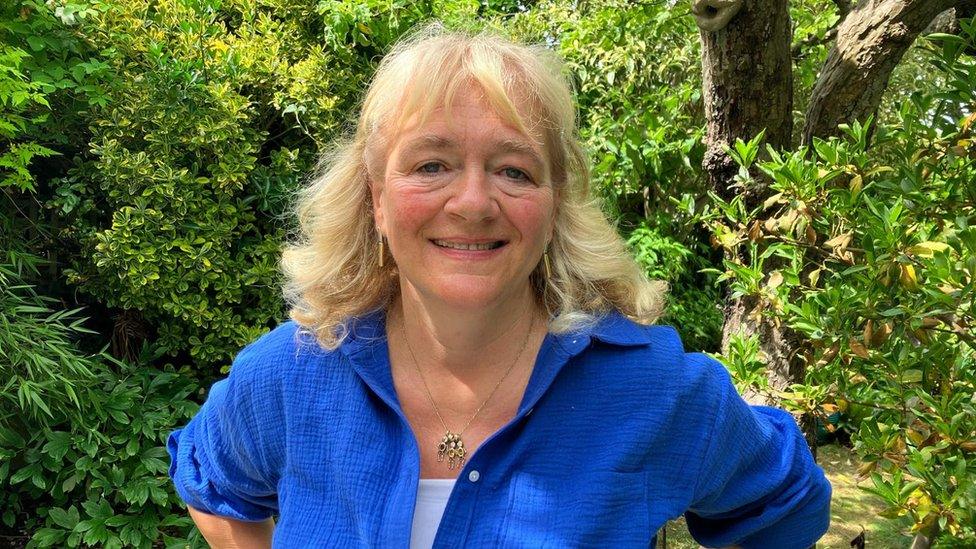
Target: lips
pixel 469 246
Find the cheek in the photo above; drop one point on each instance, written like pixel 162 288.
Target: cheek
pixel 410 211
pixel 535 219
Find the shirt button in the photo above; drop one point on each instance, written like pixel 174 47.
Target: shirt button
pixel 473 476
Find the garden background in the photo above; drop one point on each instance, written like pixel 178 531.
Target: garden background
pixel 803 175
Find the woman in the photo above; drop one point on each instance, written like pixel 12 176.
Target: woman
pixel 470 355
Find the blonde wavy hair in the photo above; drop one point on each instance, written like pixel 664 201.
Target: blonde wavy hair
pixel 332 270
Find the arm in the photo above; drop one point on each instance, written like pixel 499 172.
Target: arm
pixel 225 461
pixel 758 485
pixel 225 533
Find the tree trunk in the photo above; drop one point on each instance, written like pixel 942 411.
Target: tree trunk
pixel 871 41
pixel 748 87
pixel 747 74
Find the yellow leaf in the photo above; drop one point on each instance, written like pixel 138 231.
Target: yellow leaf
pixel 728 240
pixel 755 231
pixel 788 220
pixel 916 437
pixel 868 331
pixel 908 278
pixel 775 279
pixel 881 334
pixel 928 248
pixel 773 200
pixel 968 122
pixel 866 468
pixel 856 183
pixel 814 277
pixel 811 235
pixel 911 376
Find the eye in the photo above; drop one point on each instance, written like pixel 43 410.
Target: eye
pixel 516 174
pixel 431 168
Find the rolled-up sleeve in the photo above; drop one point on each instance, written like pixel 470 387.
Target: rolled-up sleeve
pixel 758 485
pixel 221 461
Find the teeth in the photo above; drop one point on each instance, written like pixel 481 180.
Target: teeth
pixel 460 246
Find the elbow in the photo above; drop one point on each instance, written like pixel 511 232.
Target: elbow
pixel 226 533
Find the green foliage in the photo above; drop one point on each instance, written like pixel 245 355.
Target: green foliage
pixel 38 362
pixel 814 22
pixel 149 152
pixel 81 431
pixel 102 481
pixel 642 121
pixel 871 257
pixel 17 96
pixel 211 112
pixel 746 363
pixel 693 304
pixel 640 106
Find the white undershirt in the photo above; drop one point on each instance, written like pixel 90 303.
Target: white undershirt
pixel 432 496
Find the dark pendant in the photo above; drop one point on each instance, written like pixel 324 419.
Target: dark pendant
pixel 452 447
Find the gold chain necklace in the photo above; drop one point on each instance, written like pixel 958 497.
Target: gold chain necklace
pixel 451 446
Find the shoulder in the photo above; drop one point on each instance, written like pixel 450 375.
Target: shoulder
pixel 656 352
pixel 279 350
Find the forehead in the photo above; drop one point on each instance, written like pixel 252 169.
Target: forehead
pixel 439 126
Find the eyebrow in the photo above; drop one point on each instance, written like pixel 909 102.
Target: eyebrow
pixel 521 147
pixel 426 142
pixel 438 143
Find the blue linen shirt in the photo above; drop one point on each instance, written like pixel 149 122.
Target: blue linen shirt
pixel 619 430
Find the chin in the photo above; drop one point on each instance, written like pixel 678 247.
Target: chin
pixel 471 294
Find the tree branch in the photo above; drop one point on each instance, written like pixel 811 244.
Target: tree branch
pixel 843 8
pixel 871 41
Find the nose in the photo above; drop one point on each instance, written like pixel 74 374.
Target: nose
pixel 473 196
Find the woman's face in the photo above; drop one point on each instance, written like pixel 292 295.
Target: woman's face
pixel 466 206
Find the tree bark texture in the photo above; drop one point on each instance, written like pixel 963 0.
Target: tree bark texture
pixel 748 87
pixel 871 41
pixel 748 84
pixel 747 76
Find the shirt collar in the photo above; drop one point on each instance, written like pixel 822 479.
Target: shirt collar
pixel 366 347
pixel 616 329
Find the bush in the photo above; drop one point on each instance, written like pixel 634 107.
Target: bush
pixel 875 256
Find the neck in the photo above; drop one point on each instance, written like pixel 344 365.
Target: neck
pixel 465 342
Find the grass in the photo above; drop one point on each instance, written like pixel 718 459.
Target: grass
pixel 851 509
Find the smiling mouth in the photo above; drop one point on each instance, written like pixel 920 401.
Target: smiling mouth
pixel 469 246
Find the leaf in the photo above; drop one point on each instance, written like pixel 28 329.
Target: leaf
pixel 908 278
pixel 773 200
pixel 840 241
pixel 775 279
pixel 65 519
pixel 858 349
pixel 928 248
pixel 814 277
pixel 911 376
pixel 118 520
pixel 47 537
pixel 36 43
pixel 57 445
pixel 25 473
